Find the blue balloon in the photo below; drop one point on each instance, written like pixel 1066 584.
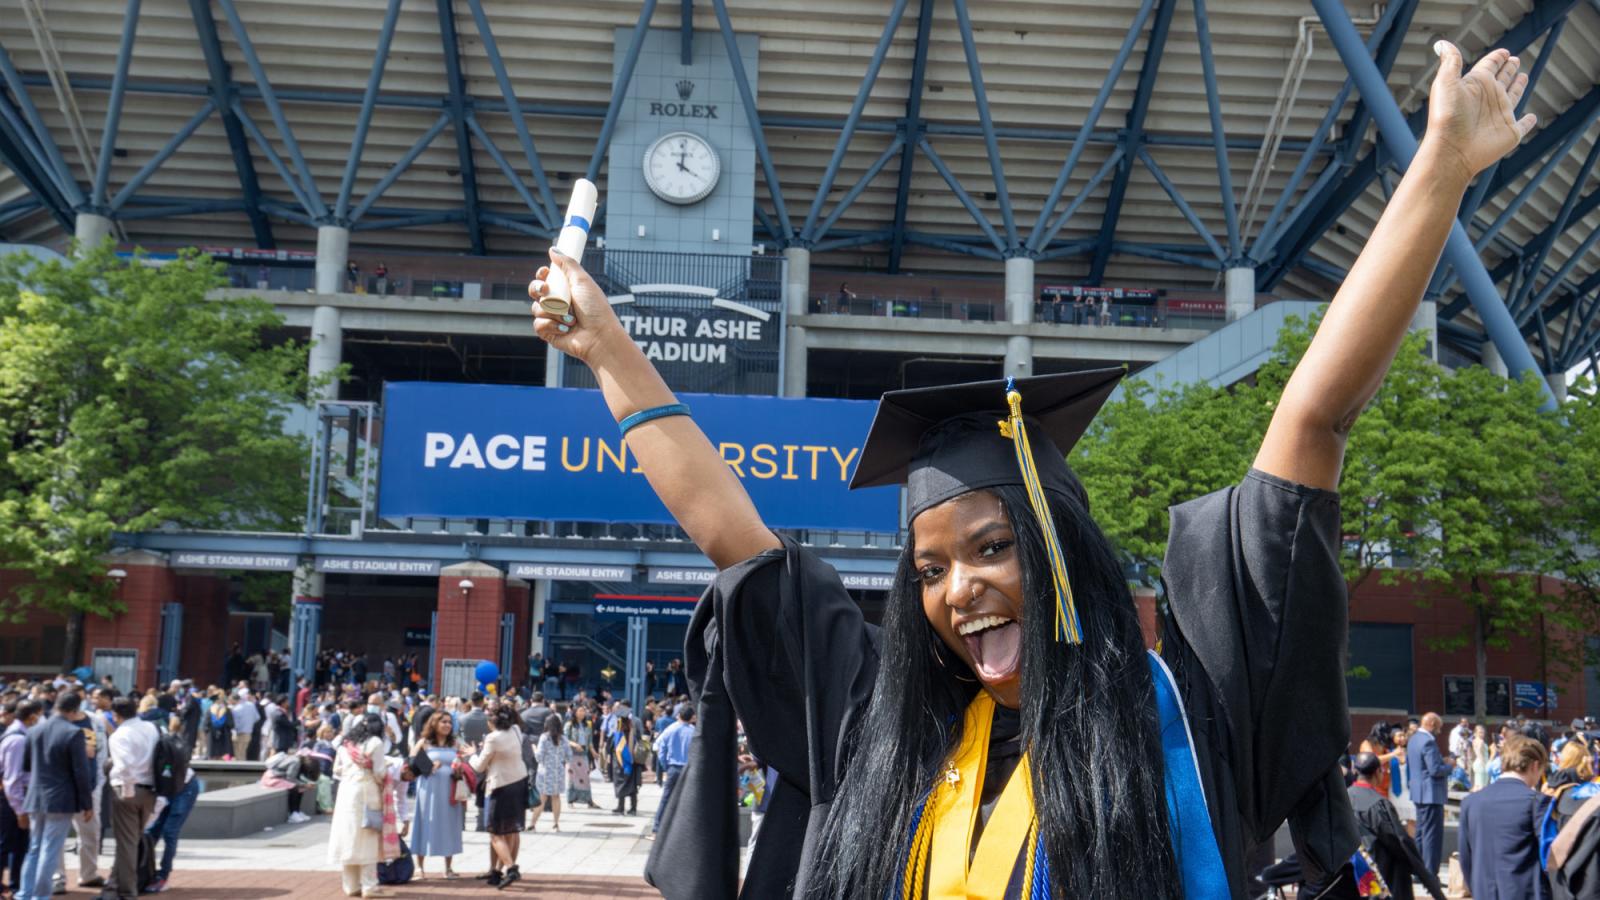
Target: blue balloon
pixel 487 673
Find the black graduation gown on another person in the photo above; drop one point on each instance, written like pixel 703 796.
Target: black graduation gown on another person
pixel 1256 641
pixel 1393 850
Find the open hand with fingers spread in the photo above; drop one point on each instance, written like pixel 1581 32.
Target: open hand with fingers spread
pixel 1472 116
pixel 588 325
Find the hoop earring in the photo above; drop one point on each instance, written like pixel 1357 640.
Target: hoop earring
pixel 955 671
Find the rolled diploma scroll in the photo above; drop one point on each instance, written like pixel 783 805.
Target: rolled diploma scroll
pixel 574 236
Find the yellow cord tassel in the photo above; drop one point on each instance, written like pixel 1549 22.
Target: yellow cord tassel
pixel 1067 626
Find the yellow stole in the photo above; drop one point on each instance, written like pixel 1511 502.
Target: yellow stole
pixel 941 847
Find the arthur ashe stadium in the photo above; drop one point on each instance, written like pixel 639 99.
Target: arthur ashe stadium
pixel 824 199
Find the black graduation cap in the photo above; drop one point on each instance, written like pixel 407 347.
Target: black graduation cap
pixel 945 441
pixel 942 442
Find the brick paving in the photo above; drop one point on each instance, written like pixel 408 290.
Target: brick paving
pixel 217 884
pixel 596 854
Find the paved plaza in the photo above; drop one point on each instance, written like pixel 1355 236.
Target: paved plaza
pixel 596 854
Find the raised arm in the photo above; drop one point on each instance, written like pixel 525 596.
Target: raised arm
pixel 687 473
pixel 1471 124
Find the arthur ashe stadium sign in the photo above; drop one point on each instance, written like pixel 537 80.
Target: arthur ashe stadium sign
pixel 502 452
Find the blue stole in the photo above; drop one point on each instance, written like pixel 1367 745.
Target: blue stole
pixel 1194 844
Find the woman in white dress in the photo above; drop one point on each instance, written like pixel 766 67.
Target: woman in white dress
pixel 1480 758
pixel 362 773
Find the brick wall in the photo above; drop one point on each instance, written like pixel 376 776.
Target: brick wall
pixel 142 593
pixel 469 621
pixel 1435 615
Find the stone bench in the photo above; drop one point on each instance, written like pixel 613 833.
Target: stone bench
pixel 219 774
pixel 241 810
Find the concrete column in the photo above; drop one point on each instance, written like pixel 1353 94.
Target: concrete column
pixel 1492 360
pixel 305 620
pixel 538 627
pixel 796 298
pixel 1426 320
pixel 327 336
pixel 1019 311
pixel 1241 292
pixel 91 229
pixel 327 350
pixel 553 360
pixel 333 254
pixel 1558 385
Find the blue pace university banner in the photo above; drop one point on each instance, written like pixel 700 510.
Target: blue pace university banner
pixel 502 452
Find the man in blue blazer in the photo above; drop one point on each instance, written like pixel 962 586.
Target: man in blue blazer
pixel 1499 829
pixel 1426 771
pixel 60 785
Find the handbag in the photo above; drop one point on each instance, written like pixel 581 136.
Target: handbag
pixel 422 763
pixel 372 818
pixel 1456 883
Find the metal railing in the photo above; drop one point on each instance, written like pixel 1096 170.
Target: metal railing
pixel 909 307
pixel 611 531
pixel 1127 315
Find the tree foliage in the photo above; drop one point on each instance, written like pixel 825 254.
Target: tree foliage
pixel 1454 477
pixel 130 402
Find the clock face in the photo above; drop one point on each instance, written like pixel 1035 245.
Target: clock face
pixel 681 168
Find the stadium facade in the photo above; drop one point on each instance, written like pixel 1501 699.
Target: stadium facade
pixel 820 199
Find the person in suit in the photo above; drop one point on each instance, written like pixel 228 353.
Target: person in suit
pixel 1499 829
pixel 1426 772
pixel 61 785
pixel 474 727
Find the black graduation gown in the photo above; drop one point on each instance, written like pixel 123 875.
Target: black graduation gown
pixel 1256 641
pixel 1393 850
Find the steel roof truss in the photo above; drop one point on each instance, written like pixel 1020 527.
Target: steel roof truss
pixel 1039 237
pixel 400 165
pixel 270 99
pixel 149 168
pixel 119 86
pixel 991 142
pixel 456 110
pixel 1132 137
pixel 911 133
pixel 223 92
pixel 808 231
pixel 961 194
pixel 619 90
pixel 1230 209
pixel 747 97
pixel 369 99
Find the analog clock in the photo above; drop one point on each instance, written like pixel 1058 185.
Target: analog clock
pixel 681 168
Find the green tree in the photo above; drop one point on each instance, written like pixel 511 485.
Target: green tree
pixel 1155 447
pixel 1577 481
pixel 1485 533
pixel 1448 477
pixel 130 402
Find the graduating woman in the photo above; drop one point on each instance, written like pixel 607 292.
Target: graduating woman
pixel 1005 734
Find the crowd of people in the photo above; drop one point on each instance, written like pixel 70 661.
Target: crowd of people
pixel 1526 826
pixel 64 747
pixel 386 762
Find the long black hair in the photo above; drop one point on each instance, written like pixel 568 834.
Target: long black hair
pixel 1088 723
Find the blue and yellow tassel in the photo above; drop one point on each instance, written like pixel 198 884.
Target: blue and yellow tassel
pixel 1067 626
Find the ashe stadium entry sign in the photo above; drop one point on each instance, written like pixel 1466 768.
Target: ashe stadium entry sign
pixel 504 452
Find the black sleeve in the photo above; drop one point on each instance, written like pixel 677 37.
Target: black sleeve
pixel 1257 633
pixel 798 661
pixel 777 644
